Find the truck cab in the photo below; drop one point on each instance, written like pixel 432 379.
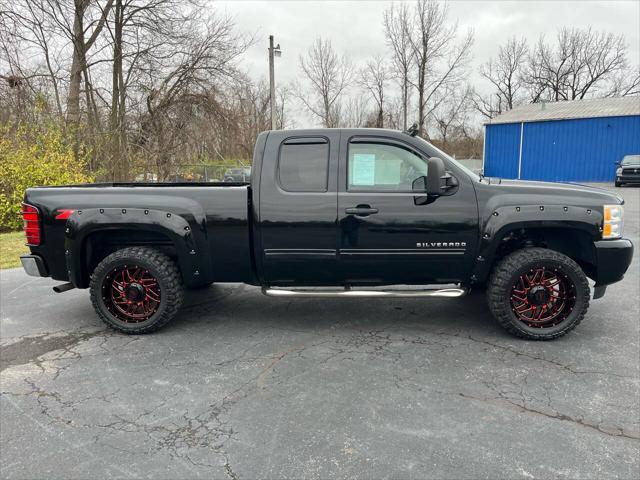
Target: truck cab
pixel 350 207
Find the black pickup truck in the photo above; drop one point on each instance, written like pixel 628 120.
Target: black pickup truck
pixel 334 212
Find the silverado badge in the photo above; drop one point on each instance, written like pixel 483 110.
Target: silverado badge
pixel 441 244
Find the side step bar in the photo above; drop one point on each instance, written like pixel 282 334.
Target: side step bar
pixel 443 292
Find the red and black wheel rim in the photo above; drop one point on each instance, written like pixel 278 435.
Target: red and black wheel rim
pixel 543 297
pixel 131 293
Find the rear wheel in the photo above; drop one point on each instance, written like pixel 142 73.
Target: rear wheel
pixel 538 294
pixel 136 290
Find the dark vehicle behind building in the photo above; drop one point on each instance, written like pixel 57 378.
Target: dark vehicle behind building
pixel 628 170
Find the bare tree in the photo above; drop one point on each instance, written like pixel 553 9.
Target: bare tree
pixel 505 74
pixel 82 24
pixel 625 83
pixel 394 113
pixel 75 24
pixel 355 113
pixel 188 84
pixel 138 29
pixel 250 112
pixel 283 121
pixel 374 77
pixel 397 26
pixel 582 63
pixel 452 115
pixel 155 83
pixel 439 60
pixel 34 29
pixel 329 76
pixel 31 60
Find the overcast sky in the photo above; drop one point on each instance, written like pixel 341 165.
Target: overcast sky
pixel 355 27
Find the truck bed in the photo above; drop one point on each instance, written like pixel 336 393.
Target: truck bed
pixel 218 214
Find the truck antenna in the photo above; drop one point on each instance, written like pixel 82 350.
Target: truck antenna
pixel 412 130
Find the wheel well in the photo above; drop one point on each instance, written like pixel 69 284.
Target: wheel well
pixel 102 243
pixel 574 243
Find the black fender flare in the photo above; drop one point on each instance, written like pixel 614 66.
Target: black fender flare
pixel 190 248
pixel 502 220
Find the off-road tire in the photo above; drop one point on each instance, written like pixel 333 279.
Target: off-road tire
pixel 159 266
pixel 509 269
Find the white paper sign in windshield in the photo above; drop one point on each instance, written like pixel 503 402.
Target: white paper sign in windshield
pixel 363 169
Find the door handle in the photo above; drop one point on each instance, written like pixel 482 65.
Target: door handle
pixel 361 210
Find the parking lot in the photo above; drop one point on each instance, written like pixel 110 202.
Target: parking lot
pixel 242 386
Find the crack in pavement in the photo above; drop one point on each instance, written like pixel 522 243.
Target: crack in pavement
pixel 181 435
pixel 230 473
pixel 28 348
pixel 555 363
pixel 261 381
pixel 501 400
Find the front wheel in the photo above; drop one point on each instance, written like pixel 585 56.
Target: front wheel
pixel 538 294
pixel 136 290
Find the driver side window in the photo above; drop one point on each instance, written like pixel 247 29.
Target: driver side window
pixel 383 167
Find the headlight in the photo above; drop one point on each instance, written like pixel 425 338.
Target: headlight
pixel 618 171
pixel 613 219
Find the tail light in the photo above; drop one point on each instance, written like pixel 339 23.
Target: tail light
pixel 31 217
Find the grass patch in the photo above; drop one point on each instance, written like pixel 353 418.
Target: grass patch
pixel 11 247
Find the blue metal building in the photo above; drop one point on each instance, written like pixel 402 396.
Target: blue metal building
pixel 575 141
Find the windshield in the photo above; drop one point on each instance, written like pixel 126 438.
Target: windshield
pixel 631 160
pixel 443 155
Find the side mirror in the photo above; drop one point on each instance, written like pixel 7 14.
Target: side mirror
pixel 435 172
pixel 439 180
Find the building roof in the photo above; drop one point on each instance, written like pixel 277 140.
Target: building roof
pixel 594 107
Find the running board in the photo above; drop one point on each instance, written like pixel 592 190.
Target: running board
pixel 443 292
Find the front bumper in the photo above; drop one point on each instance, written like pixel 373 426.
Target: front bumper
pixel 628 179
pixel 613 258
pixel 34 265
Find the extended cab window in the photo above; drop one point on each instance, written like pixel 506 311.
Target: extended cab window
pixel 303 165
pixel 383 167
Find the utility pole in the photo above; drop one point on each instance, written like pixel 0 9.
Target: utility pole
pixel 273 52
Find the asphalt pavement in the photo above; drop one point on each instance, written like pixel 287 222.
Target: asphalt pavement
pixel 241 386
